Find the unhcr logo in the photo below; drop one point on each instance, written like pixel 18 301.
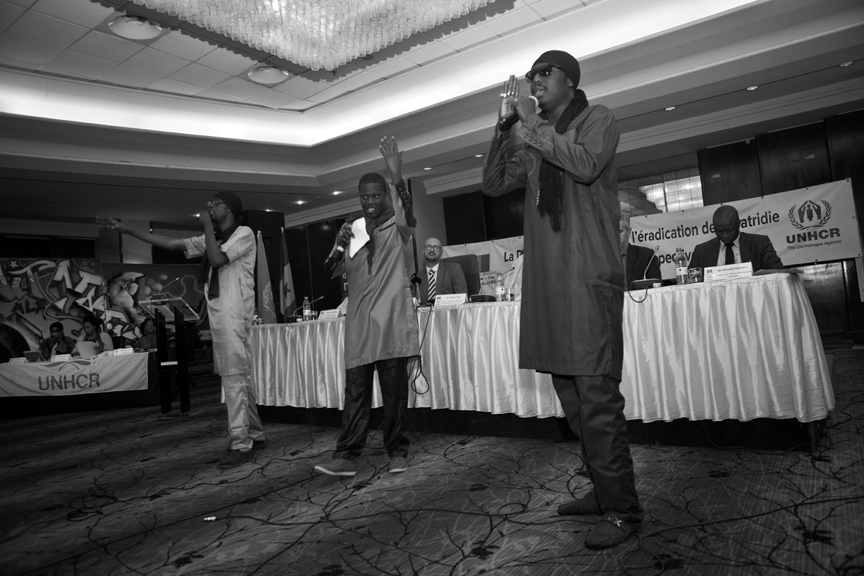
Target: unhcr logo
pixel 807 217
pixel 810 215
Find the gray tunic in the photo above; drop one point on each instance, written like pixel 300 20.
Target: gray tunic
pixel 380 322
pixel 573 280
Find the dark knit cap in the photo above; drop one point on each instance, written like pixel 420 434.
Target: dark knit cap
pixel 567 63
pixel 232 201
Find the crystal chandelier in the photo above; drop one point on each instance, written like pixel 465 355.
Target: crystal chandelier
pixel 316 33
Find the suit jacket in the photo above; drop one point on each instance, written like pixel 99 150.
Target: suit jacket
pixel 641 263
pixel 449 280
pixel 755 248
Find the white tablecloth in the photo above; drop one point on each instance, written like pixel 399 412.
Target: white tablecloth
pixel 741 349
pixel 101 374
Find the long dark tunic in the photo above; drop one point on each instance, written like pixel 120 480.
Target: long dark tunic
pixel 573 280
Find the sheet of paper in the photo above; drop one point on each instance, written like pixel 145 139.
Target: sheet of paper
pixel 358 227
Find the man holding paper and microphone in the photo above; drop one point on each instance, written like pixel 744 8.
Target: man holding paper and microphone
pixel 573 281
pixel 372 248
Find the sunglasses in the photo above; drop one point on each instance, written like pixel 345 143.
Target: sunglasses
pixel 543 71
pixel 215 202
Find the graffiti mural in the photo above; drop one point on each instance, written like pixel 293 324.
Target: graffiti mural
pixel 36 292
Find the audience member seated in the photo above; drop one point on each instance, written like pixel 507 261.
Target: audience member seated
pixel 147 341
pixel 737 247
pixel 92 333
pixel 639 262
pixel 444 277
pixel 57 343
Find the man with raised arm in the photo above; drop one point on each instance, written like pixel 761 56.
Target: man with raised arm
pixel 228 251
pixel 380 326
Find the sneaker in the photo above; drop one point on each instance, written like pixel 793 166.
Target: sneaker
pixel 338 467
pixel 610 531
pixel 398 464
pixel 235 458
pixel 256 445
pixel 580 507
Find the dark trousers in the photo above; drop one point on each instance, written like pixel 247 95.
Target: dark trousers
pixel 594 408
pixel 393 378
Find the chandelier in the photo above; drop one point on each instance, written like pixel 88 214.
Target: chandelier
pixel 316 33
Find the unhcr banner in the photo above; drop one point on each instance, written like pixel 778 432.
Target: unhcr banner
pixel 815 224
pixel 75 377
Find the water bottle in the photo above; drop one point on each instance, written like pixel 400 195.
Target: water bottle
pixel 499 287
pixel 307 309
pixel 680 260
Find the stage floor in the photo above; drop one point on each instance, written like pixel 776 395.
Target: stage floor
pixel 122 491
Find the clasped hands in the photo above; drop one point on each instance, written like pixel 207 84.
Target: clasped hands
pixel 510 100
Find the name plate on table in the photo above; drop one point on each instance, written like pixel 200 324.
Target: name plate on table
pixel 450 299
pixel 334 313
pixel 61 358
pixel 729 272
pixel 123 351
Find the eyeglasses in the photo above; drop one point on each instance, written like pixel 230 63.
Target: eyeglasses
pixel 544 72
pixel 433 247
pixel 215 202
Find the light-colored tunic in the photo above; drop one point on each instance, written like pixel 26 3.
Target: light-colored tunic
pixel 230 315
pixel 380 321
pixel 573 280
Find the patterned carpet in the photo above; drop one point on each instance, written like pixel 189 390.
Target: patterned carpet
pixel 123 492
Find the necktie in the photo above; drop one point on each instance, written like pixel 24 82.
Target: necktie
pixel 730 255
pixel 431 293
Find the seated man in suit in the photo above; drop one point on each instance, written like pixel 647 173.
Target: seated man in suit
pixel 443 277
pixel 738 247
pixel 639 262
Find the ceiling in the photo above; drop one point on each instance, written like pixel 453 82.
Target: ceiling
pixel 93 123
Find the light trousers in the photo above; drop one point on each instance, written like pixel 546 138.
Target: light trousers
pixel 244 424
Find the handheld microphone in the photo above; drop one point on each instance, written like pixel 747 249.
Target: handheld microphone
pixel 508 120
pixel 336 254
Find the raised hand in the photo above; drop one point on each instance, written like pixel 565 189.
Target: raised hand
pixel 509 96
pixel 111 223
pixel 392 157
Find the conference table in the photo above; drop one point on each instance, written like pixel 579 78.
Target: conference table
pixel 738 349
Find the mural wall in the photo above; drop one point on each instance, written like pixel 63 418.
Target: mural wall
pixel 36 292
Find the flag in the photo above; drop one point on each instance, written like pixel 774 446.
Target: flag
pixel 266 309
pixel 286 284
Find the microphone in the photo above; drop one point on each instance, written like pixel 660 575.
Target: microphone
pixel 650 260
pixel 336 254
pixel 509 119
pixel 312 302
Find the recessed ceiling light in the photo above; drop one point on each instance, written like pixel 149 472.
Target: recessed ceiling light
pixel 845 64
pixel 427 168
pixel 267 75
pixel 751 88
pixel 669 108
pixel 336 193
pixel 134 28
pixel 301 202
pixel 267 210
pixel 478 155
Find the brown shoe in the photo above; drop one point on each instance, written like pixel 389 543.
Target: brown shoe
pixel 610 531
pixel 583 506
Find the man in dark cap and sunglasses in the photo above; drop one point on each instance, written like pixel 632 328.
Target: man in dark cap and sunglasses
pixel 573 278
pixel 228 251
